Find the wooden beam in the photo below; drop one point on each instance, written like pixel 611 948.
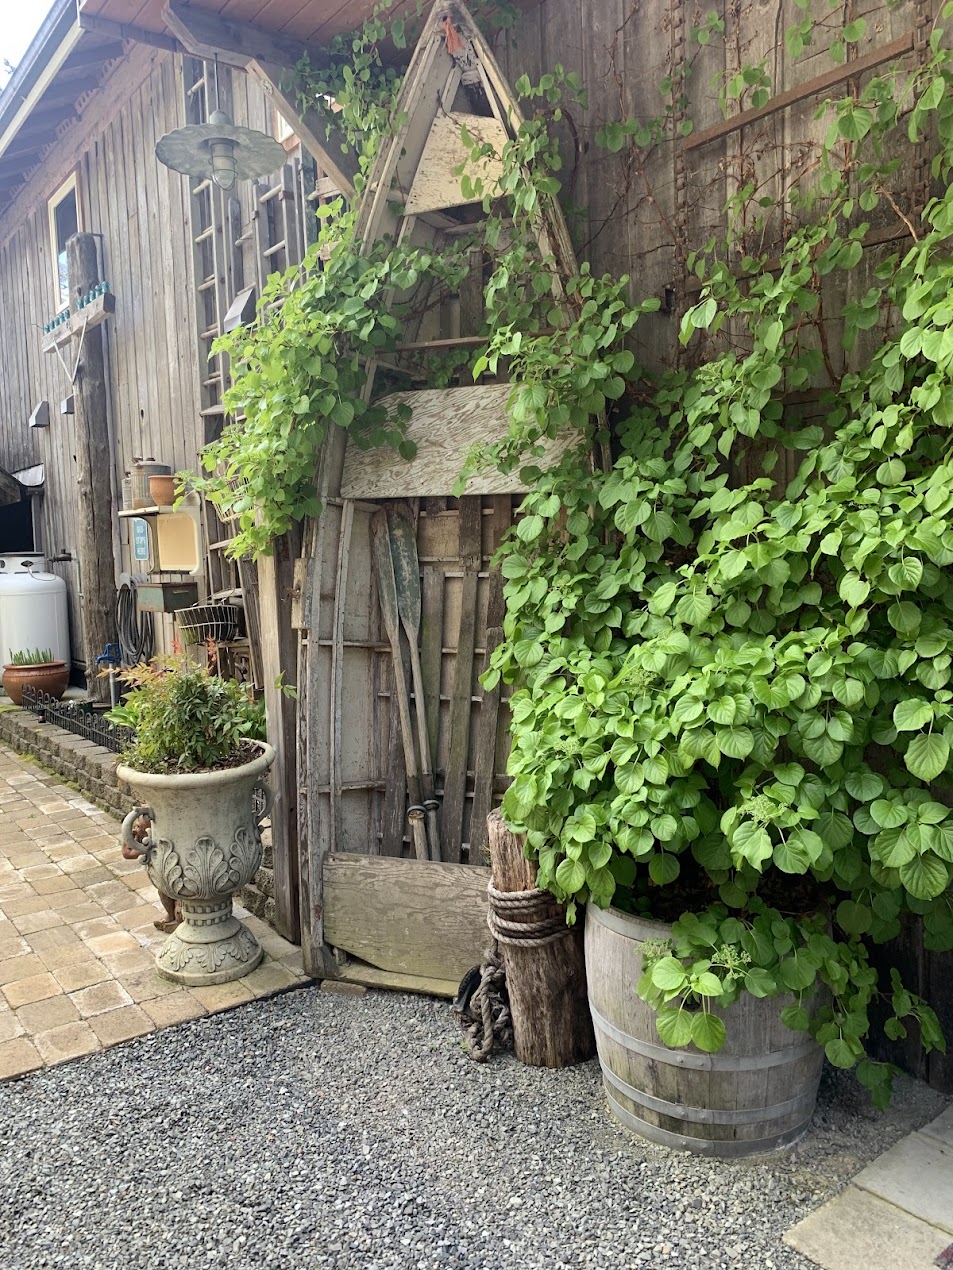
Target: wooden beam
pixel 278 651
pixel 128 31
pixel 93 315
pixel 10 491
pixel 94 499
pixel 811 88
pixel 270 58
pixel 210 35
pixel 316 133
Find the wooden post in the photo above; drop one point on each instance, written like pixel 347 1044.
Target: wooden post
pixel 93 472
pixel 552 1026
pixel 278 652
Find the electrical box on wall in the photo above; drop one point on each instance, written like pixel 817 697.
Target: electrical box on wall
pixel 166 597
pixel 169 537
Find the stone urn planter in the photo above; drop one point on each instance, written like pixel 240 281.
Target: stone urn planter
pixel 203 845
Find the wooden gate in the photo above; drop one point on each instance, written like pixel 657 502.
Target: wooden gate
pixel 408 922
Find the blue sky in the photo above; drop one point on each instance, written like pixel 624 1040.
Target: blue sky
pixel 20 23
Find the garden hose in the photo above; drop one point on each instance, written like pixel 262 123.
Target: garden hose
pixel 136 629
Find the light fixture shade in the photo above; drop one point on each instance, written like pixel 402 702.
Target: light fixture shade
pixel 189 149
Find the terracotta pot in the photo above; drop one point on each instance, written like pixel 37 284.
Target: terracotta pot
pixel 162 490
pixel 203 845
pixel 51 677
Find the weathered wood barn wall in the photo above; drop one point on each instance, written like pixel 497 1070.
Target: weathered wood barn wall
pixel 641 211
pixel 162 393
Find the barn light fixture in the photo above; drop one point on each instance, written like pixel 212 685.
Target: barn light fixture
pixel 220 150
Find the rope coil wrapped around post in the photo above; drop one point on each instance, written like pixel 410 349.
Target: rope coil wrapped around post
pixel 520 919
pixel 530 988
pixel 525 919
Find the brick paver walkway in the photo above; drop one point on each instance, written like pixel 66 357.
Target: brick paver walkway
pixel 77 940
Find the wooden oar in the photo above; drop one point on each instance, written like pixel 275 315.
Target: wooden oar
pixel 387 589
pixel 403 546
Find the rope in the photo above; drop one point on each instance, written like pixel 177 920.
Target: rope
pixel 483 1001
pixel 531 930
pixel 486 1014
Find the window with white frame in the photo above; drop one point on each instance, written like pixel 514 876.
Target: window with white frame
pixel 64 223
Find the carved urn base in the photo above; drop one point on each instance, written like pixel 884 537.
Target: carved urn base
pixel 204 845
pixel 210 946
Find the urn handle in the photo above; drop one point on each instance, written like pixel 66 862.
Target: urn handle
pixel 140 848
pixel 267 795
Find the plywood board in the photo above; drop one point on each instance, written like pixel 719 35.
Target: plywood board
pixel 445 423
pixel 446 160
pixel 409 916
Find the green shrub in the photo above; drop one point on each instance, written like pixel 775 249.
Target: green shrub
pixel 186 719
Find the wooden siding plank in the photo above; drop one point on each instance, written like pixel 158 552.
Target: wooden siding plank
pixel 455 785
pixel 413 917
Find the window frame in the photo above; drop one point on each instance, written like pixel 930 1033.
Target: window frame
pixel 69 186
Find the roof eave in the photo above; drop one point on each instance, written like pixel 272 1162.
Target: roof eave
pixel 48 49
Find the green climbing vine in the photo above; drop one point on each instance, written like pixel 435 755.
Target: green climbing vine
pixel 729 623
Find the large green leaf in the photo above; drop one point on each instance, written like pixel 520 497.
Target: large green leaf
pixel 889 813
pixel 853 589
pixel 735 742
pixel 759 983
pixel 791 857
pixel 571 875
pixel 752 842
pixel 893 848
pixel 927 756
pixel 674 1025
pixel 687 709
pixel 925 876
pixel 664 868
pixel 823 750
pixel 669 974
pixel 912 715
pixel 797 972
pixel 723 711
pixel 796 1018
pixel 906 573
pixel 864 785
pixel 839 1052
pixel 694 608
pixel 853 918
pixel 708 1032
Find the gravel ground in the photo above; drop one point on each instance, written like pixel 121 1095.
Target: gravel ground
pixel 316 1130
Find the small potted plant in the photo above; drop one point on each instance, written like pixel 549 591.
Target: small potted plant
pixel 34 668
pixel 197 763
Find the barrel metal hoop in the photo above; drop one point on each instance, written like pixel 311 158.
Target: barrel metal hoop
pixel 709 1115
pixel 706 1146
pixel 702 1062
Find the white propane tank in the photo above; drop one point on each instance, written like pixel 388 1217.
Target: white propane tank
pixel 33 611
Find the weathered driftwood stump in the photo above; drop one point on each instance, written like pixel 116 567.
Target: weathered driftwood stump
pixel 543 958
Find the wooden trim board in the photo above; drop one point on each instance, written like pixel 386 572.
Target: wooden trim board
pixel 410 916
pixel 444 424
pixel 371 977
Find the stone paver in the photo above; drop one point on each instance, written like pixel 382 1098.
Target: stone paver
pixel 897 1212
pixel 858 1231
pixel 77 939
pixel 917 1176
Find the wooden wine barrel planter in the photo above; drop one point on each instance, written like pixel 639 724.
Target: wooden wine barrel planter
pixel 755 1095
